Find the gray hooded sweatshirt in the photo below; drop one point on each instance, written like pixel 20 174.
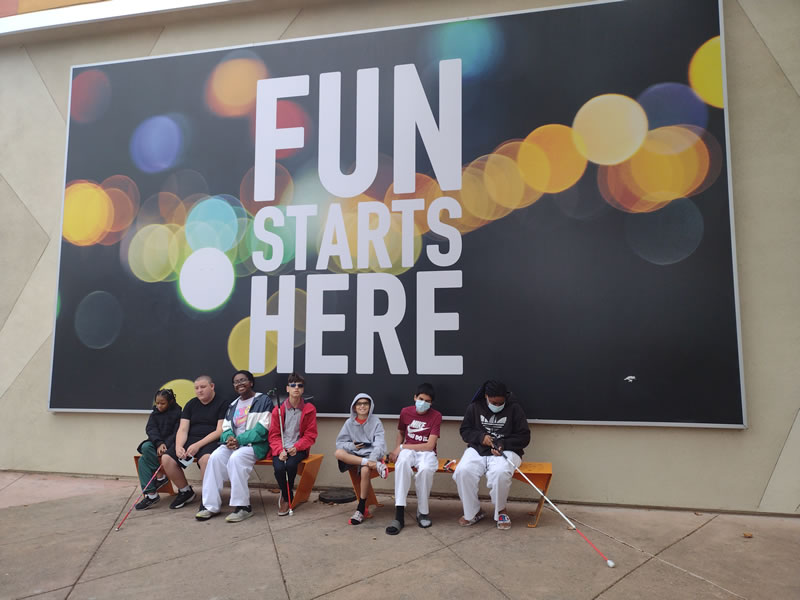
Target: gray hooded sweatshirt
pixel 370 434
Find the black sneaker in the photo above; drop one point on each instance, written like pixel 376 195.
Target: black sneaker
pixel 183 498
pixel 147 502
pixel 160 482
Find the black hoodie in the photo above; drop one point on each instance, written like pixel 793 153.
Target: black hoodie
pixel 509 426
pixel 162 427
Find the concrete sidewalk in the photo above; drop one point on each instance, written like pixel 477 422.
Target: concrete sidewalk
pixel 62 544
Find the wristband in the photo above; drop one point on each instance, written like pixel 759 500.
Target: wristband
pixel 401 446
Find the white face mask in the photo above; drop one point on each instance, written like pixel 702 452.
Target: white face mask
pixel 422 406
pixel 495 409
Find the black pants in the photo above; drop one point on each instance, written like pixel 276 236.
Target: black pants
pixel 287 468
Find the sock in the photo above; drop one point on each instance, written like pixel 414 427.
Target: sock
pixel 152 496
pixel 400 514
pixel 185 489
pixel 362 505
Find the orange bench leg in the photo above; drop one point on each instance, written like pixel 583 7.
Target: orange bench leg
pixel 166 488
pixel 307 470
pixel 355 478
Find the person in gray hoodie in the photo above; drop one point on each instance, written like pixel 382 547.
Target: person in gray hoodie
pixel 361 445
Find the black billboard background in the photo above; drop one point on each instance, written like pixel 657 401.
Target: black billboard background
pixel 558 307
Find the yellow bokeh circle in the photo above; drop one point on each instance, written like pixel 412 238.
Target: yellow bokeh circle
pixel 239 348
pixel 231 88
pixel 182 388
pixel 88 213
pixel 566 156
pixel 609 129
pixel 705 73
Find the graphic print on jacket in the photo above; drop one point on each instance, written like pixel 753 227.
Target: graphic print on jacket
pixel 493 425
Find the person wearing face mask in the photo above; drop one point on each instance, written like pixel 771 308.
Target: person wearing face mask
pixel 495 429
pixel 417 433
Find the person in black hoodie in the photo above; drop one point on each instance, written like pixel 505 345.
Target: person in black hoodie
pixel 496 430
pixel 160 429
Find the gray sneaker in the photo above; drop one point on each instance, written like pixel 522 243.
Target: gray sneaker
pixel 205 514
pixel 240 514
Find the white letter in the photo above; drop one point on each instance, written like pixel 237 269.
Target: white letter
pixel 429 322
pixel 268 137
pixel 330 138
pixel 334 226
pixel 261 322
pixel 449 232
pixel 374 236
pixel 368 323
pixel 261 232
pixel 318 322
pixel 412 112
pixel 407 209
pixel 301 212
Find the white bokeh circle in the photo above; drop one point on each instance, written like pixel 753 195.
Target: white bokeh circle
pixel 206 279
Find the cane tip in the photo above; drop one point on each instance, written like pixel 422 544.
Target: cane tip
pixel 611 563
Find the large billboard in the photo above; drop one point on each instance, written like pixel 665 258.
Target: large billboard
pixel 540 197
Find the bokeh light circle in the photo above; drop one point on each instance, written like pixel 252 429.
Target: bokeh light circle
pixel 206 279
pixel 98 320
pixel 182 388
pixel 667 236
pixel 212 223
pixel 231 87
pixel 705 73
pixel 149 253
pixel 672 104
pixel 90 97
pixel 156 144
pixel 610 128
pixel 239 348
pixel 477 42
pixel 88 213
pixel 566 163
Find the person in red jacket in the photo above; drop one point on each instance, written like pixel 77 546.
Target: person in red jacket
pixel 299 420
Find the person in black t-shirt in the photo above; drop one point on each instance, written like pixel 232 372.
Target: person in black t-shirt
pixel 197 437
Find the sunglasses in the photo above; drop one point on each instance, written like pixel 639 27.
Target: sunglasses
pixel 297 385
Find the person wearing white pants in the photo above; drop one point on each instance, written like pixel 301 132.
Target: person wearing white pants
pixel 499 473
pixel 228 465
pixel 496 430
pixel 245 431
pixel 418 431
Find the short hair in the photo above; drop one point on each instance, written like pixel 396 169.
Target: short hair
pixel 494 388
pixel 427 389
pixel 166 393
pixel 296 378
pixel 247 374
pixel 206 377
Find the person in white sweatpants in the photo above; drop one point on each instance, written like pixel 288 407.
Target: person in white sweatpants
pixel 496 431
pixel 228 465
pixel 245 431
pixel 418 431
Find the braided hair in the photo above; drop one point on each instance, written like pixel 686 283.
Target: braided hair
pixel 168 394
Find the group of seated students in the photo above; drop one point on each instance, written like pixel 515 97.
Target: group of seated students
pixel 227 438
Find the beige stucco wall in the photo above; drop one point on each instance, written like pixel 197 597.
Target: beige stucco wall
pixel 756 469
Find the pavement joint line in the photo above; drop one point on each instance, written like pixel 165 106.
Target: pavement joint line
pixel 38 594
pixel 624 576
pixel 10 483
pixel 391 568
pixel 478 573
pixel 105 537
pixel 275 548
pixel 656 557
pixel 162 561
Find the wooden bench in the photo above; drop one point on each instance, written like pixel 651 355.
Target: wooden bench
pixel 540 473
pixel 308 469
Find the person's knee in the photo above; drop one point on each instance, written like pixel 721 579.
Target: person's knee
pixel 341 454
